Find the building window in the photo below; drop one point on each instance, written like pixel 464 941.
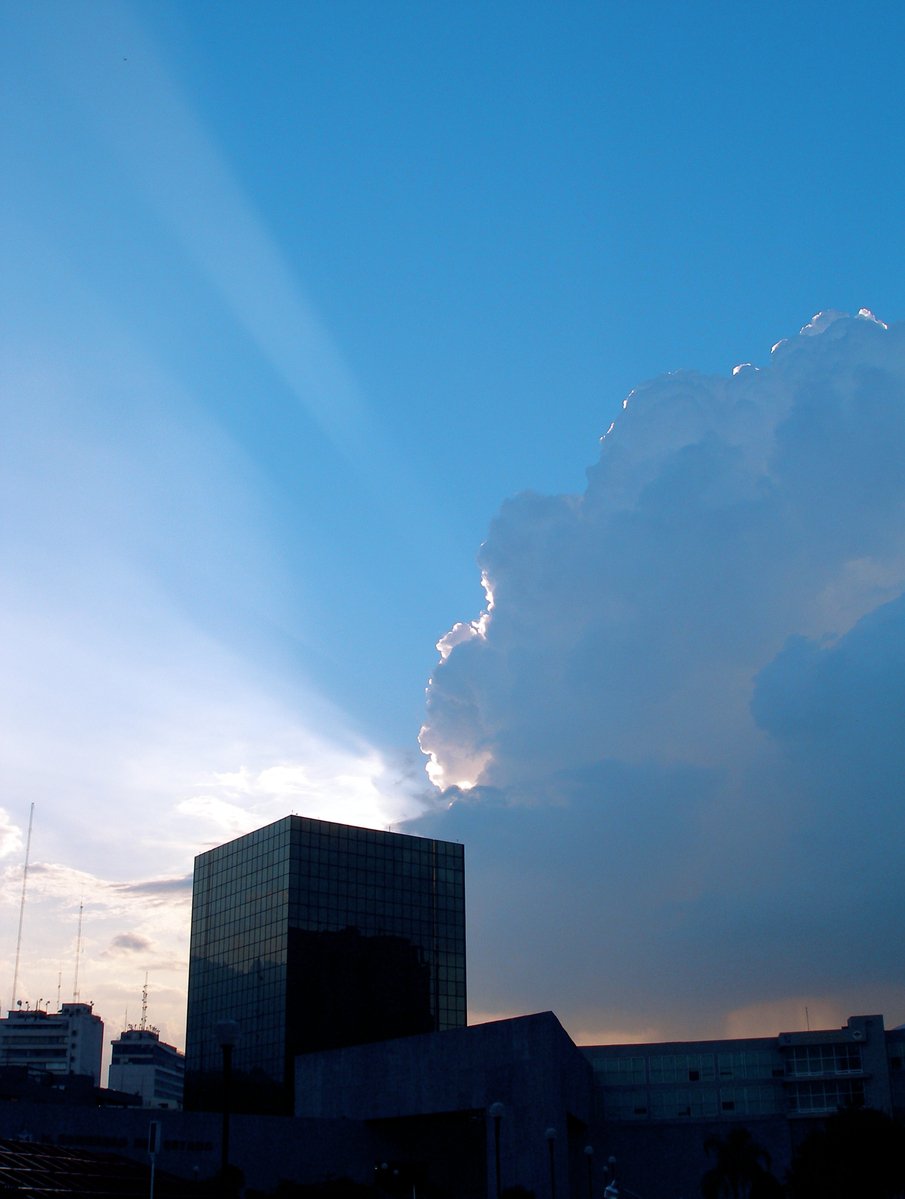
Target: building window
pixel 752 1063
pixel 806 1060
pixel 626 1105
pixel 620 1070
pixel 809 1098
pixel 749 1100
pixel 690 1102
pixel 682 1067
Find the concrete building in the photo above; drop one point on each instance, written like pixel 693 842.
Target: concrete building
pixel 142 1064
pixel 310 936
pixel 450 1109
pixel 419 1110
pixel 430 1110
pixel 663 1101
pixel 794 1074
pixel 67 1042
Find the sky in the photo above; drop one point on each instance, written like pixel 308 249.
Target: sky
pixel 318 324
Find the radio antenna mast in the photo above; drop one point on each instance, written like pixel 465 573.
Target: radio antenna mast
pixel 78 954
pixel 31 816
pixel 144 1004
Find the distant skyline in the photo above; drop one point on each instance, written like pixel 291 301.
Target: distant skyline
pixel 311 313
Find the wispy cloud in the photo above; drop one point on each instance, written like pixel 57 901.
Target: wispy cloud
pixel 136 106
pixel 128 943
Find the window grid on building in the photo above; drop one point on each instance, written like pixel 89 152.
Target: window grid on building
pixel 692 1102
pixel 682 1067
pixel 752 1100
pixel 824 1059
pixel 616 1070
pixel 757 1063
pixel 827 1095
pixel 311 891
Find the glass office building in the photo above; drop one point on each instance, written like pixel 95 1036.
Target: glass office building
pixel 312 935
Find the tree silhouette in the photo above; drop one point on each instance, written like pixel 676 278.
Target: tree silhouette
pixel 741 1169
pixel 858 1151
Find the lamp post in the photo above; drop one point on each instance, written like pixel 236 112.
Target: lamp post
pixel 589 1158
pixel 612 1190
pixel 227 1036
pixel 153 1146
pixel 496 1111
pixel 550 1135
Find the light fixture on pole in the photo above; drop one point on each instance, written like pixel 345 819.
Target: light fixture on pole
pixel 612 1190
pixel 227 1036
pixel 496 1112
pixel 550 1135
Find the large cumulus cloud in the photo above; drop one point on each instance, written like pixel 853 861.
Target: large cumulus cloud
pixel 673 740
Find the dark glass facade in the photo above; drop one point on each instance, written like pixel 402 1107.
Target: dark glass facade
pixel 313 935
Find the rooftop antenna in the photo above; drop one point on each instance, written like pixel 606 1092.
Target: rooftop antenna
pixel 59 986
pixel 78 954
pixel 31 816
pixel 144 1005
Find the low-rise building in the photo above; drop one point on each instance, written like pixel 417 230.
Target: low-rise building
pixel 665 1102
pixel 794 1074
pixel 142 1064
pixel 66 1042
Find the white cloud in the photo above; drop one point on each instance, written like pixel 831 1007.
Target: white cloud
pixel 10 836
pixel 140 752
pixel 683 716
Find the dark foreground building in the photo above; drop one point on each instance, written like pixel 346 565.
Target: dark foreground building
pixel 509 1102
pixel 313 936
pixel 446 1115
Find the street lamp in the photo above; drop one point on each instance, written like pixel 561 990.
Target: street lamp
pixel 589 1158
pixel 612 1190
pixel 496 1111
pixel 550 1134
pixel 227 1036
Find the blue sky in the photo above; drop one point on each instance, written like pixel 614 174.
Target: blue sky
pixel 294 299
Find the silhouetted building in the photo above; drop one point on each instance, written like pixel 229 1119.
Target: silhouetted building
pixel 141 1064
pixel 513 1096
pixel 663 1101
pixel 512 1100
pixel 69 1041
pixel 312 936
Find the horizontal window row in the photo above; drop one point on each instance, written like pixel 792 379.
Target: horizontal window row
pixel 685 1067
pixel 239 936
pixel 823 1059
pixel 676 1103
pixel 827 1096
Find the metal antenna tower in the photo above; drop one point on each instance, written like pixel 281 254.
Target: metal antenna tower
pixel 78 955
pixel 31 816
pixel 144 1004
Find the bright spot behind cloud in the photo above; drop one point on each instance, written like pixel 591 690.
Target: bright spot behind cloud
pixel 684 714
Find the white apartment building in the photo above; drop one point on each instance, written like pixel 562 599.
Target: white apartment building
pixel 69 1041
